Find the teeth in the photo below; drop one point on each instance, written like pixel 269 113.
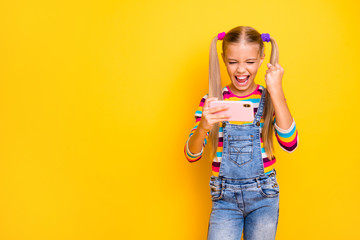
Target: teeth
pixel 241 78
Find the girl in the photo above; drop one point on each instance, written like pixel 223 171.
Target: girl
pixel 243 186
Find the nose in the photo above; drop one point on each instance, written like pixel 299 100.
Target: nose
pixel 241 69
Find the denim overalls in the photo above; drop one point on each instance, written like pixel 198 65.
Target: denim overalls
pixel 243 197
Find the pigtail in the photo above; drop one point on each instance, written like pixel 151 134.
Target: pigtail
pixel 215 90
pixel 268 129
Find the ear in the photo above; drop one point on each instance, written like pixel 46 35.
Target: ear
pixel 262 59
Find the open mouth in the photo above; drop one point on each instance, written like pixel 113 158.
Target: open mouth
pixel 242 80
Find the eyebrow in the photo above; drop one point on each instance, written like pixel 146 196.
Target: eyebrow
pixel 246 59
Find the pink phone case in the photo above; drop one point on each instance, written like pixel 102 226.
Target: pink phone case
pixel 238 110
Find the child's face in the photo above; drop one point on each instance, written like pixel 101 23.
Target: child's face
pixel 242 60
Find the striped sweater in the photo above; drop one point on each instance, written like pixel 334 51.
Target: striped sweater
pixel 287 138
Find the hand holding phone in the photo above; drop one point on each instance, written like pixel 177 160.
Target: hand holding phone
pixel 210 116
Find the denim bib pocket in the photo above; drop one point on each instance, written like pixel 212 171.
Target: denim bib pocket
pixel 240 148
pixel 216 190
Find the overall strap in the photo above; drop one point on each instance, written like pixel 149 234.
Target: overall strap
pixel 260 109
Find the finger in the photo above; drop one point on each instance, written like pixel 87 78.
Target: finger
pixel 279 67
pixel 269 72
pixel 269 65
pixel 218 117
pixel 218 109
pixel 273 68
pixel 207 101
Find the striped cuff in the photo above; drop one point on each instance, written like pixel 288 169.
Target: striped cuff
pixel 283 130
pixel 190 153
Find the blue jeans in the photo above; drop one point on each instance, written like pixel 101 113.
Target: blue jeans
pixel 244 198
pixel 252 205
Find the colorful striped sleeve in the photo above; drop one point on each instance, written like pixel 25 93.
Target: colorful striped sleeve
pixel 287 138
pixel 191 157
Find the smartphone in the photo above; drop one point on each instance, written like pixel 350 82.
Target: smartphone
pixel 238 110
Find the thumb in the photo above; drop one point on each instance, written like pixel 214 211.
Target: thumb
pixel 206 104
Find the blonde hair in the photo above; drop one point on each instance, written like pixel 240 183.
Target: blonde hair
pixel 235 35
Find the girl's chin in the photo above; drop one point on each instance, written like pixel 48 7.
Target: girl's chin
pixel 243 90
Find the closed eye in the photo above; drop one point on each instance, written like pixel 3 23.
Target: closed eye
pixel 247 62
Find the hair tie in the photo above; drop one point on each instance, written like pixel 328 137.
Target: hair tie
pixel 265 37
pixel 221 36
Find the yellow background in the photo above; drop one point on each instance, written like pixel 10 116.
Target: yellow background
pixel 97 99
